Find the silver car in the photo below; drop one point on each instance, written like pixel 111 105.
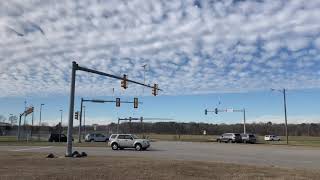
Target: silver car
pixel 121 141
pixel 96 137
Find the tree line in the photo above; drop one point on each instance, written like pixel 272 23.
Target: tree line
pixel 193 128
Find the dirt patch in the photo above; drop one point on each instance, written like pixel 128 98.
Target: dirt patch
pixel 36 166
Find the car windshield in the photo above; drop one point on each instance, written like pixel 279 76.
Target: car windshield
pixel 134 136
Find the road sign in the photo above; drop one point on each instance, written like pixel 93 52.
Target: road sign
pixel 29 110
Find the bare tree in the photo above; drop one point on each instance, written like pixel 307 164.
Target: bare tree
pixel 2 118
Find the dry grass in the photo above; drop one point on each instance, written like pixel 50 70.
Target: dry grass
pixel 35 166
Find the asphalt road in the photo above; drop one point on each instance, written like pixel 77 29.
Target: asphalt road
pixel 260 155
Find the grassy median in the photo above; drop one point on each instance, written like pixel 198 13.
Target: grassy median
pixel 20 165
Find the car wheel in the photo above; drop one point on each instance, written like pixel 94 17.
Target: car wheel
pixel 138 147
pixel 244 141
pixel 229 141
pixel 114 146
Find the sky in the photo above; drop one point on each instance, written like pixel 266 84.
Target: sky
pixel 200 52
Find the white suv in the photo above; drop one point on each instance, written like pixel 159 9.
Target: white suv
pixel 121 141
pixel 271 138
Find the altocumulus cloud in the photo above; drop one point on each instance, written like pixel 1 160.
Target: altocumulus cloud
pixel 190 46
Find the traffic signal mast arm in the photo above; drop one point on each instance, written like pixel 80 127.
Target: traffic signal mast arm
pixel 216 110
pixel 107 101
pixel 112 76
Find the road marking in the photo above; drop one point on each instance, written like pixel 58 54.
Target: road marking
pixel 28 149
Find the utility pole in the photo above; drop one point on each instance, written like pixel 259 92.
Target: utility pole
pixel 144 76
pixel 25 116
pixel 283 91
pixel 61 111
pixel 40 121
pixel 118 125
pixel 32 124
pixel 244 121
pixel 285 113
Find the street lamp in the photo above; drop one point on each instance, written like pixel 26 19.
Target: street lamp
pixel 285 110
pixel 61 111
pixel 40 121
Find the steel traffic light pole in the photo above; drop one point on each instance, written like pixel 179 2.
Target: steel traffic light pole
pixel 71 109
pixel 76 67
pixel 80 119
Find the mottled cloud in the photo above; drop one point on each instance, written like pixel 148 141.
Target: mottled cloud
pixel 190 46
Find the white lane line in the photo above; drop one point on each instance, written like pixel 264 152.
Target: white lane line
pixel 28 149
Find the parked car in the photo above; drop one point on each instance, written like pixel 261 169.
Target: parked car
pixel 230 138
pixel 96 137
pixel 271 138
pixel 55 138
pixel 121 141
pixel 249 138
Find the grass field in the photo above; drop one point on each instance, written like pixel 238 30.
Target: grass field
pixel 36 166
pixel 293 140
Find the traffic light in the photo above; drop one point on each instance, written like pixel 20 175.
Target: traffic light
pixel 155 90
pixel 117 102
pixel 216 110
pixel 124 82
pixel 206 112
pixel 135 103
pixel 76 115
